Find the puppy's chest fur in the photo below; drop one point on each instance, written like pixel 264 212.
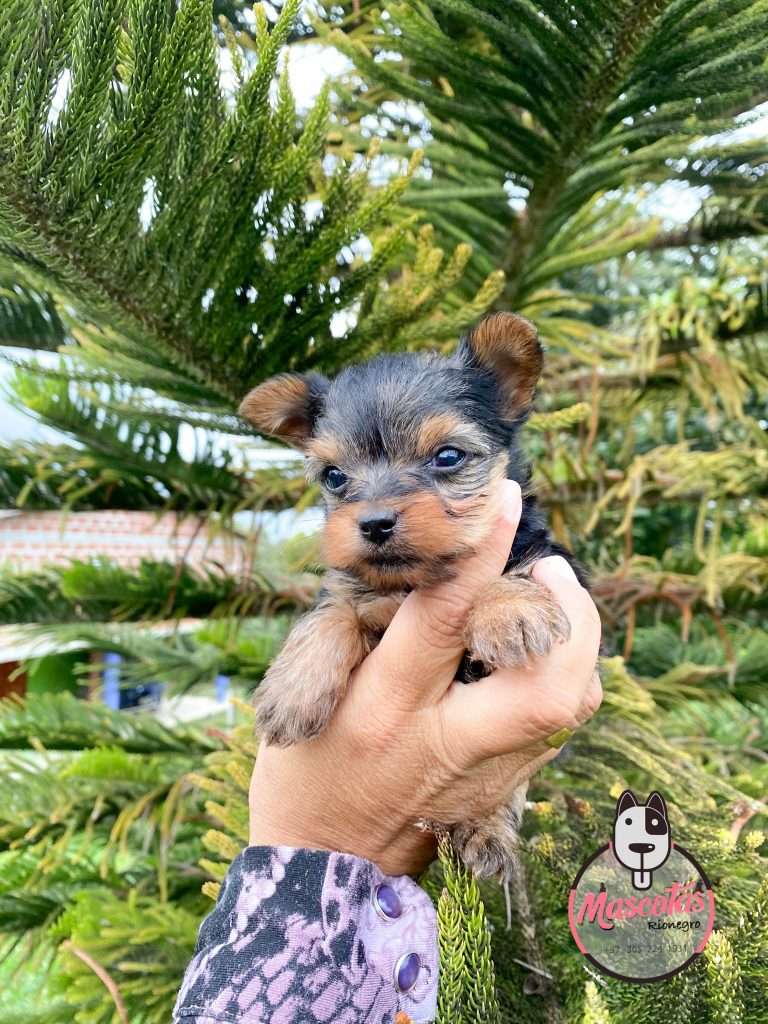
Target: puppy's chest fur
pixel 374 610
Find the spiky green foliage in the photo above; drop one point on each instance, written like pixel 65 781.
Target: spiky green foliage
pixel 100 825
pixel 128 444
pixel 238 648
pixel 100 590
pixel 225 784
pixel 151 832
pixel 108 822
pixel 59 722
pixel 109 474
pixel 28 318
pixel 149 164
pixel 468 989
pixel 556 105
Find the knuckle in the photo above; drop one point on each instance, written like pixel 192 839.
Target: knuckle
pixel 586 627
pixel 593 698
pixel 444 620
pixel 591 614
pixel 558 712
pixel 591 708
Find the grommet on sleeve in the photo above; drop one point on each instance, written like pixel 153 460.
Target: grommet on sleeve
pixel 386 902
pixel 407 972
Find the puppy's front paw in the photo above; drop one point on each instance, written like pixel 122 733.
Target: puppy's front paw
pixel 300 691
pixel 514 619
pixel 287 713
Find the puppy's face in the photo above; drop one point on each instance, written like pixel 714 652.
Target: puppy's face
pixel 408 449
pixel 407 479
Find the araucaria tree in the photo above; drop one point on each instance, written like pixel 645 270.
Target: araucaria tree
pixel 180 232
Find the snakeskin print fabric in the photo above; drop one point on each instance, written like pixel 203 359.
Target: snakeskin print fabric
pixel 295 939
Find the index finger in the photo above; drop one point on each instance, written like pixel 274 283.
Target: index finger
pixel 420 651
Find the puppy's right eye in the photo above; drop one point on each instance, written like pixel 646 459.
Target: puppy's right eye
pixel 334 479
pixel 448 458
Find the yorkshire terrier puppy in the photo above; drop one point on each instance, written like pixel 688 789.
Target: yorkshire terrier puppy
pixel 407 449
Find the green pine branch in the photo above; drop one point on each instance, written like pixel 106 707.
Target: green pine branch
pixel 595 100
pixel 60 722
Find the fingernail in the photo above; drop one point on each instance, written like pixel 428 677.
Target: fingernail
pixel 511 497
pixel 558 566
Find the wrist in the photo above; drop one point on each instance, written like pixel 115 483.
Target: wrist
pixel 408 852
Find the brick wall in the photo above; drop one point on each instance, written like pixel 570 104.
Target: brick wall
pixel 29 540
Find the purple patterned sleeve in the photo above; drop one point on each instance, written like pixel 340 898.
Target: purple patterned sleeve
pixel 304 936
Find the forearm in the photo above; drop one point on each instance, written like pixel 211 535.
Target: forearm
pixel 307 935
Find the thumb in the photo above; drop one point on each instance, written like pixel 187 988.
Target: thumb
pixel 418 655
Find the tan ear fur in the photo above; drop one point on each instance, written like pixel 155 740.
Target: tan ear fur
pixel 283 407
pixel 509 345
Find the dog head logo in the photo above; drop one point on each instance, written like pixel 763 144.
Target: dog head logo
pixel 641 908
pixel 641 836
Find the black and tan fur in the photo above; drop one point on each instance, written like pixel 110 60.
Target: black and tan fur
pixel 381 424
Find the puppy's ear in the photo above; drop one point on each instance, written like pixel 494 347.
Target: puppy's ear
pixel 286 406
pixel 626 801
pixel 508 345
pixel 656 801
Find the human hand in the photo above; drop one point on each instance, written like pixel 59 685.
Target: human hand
pixel 407 743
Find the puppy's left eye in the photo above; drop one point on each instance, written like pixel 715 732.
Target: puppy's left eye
pixel 334 479
pixel 447 458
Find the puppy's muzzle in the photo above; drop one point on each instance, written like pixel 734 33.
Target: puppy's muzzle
pixel 377 527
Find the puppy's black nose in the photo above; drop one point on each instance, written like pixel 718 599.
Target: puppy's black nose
pixel 377 527
pixel 641 847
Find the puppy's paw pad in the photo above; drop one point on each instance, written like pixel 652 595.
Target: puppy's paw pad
pixel 517 620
